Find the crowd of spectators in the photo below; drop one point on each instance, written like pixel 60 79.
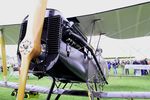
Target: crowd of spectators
pixel 116 63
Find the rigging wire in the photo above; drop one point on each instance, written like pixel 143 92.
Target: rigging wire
pixel 98 41
pixel 93 27
pixel 97 47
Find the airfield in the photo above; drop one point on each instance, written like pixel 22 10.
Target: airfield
pixel 116 83
pixel 58 50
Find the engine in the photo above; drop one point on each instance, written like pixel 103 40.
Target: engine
pixel 65 53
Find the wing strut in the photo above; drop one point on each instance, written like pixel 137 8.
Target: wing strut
pixel 30 47
pixel 3 52
pixel 93 27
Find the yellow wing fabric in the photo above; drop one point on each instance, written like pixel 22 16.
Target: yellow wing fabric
pixel 128 22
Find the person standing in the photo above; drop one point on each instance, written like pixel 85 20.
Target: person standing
pixel 122 65
pixel 127 70
pixel 144 62
pixel 115 65
pixel 109 66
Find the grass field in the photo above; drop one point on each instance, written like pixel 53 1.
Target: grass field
pixel 141 83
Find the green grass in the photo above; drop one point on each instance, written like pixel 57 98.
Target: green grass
pixel 5 93
pixel 141 83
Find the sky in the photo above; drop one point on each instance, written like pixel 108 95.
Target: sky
pixel 13 11
pixel 135 47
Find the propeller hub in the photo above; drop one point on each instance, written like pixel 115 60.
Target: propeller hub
pixel 25 47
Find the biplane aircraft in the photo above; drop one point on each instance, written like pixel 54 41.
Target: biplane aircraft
pixel 51 45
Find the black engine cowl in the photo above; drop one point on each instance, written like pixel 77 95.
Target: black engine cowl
pixel 64 51
pixel 50 42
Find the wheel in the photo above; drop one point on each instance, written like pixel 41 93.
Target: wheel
pixel 26 95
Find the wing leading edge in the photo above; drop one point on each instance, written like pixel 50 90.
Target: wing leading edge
pixel 127 22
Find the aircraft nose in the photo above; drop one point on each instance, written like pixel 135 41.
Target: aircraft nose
pixel 25 46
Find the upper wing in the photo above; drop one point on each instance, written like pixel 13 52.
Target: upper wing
pixel 11 33
pixel 127 22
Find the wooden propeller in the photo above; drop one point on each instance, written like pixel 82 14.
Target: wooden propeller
pixel 30 46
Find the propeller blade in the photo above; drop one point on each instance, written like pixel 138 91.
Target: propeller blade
pixel 3 52
pixel 30 46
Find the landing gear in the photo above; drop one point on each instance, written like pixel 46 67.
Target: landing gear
pixel 14 92
pixel 93 87
pixel 52 88
pixel 28 94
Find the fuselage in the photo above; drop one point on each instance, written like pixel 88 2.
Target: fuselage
pixel 64 54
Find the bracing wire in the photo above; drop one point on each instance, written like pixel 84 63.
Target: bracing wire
pixel 93 27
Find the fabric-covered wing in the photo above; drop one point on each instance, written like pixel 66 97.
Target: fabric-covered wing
pixel 11 33
pixel 128 22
